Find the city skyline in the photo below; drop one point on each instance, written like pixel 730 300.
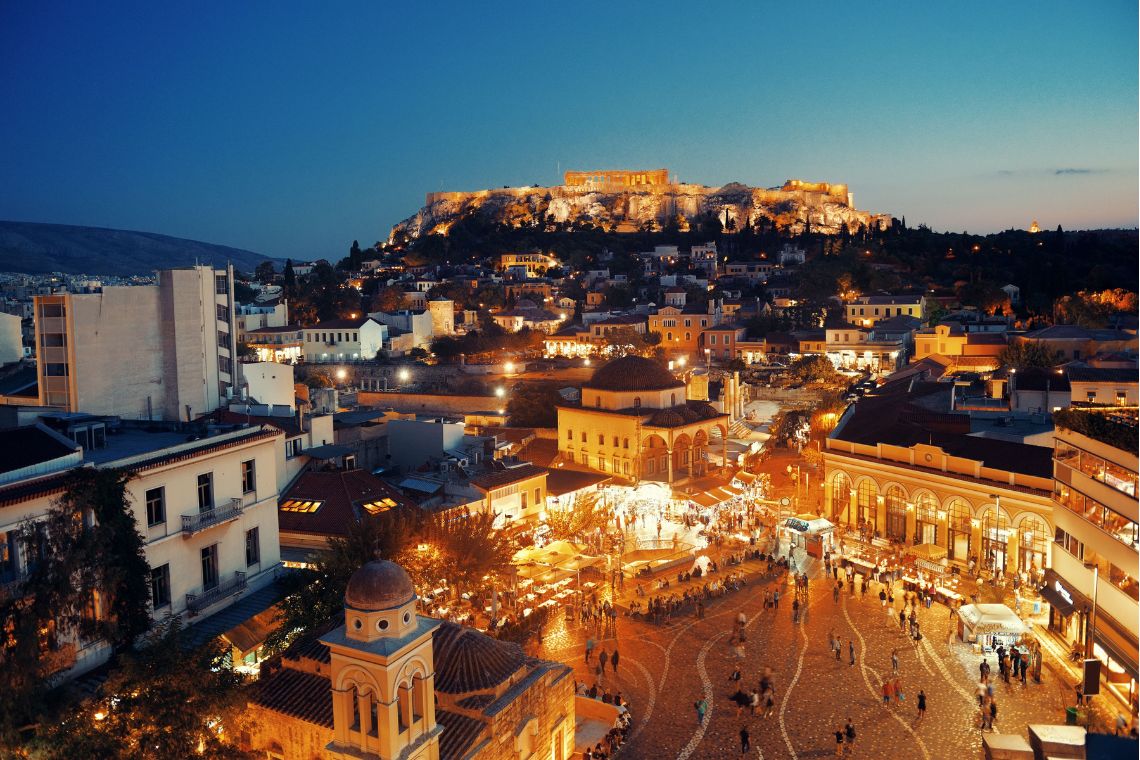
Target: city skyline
pixel 291 132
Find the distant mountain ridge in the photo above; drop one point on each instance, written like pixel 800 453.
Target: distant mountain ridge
pixel 37 248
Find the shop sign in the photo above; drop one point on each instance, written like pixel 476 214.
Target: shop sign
pixel 933 567
pixel 797 524
pixel 1062 591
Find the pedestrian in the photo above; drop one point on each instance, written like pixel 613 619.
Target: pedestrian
pixel 1024 666
pixel 744 743
pixel 902 619
pixel 589 649
pixel 839 742
pixel 895 661
pixel 835 594
pixel 614 660
pixel 993 713
pixel 921 704
pixel 603 658
pixel 849 735
pixel 883 597
pixel 795 610
pixel 776 599
pixel 851 649
pixel 735 675
pixel 896 687
pixel 838 648
pixel 701 707
pixel 886 692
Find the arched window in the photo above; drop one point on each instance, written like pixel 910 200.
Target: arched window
pixel 995 538
pixel 672 399
pixel 569 434
pixel 895 499
pixel 637 402
pixel 840 494
pixel 867 502
pixel 958 538
pixel 1033 538
pixel 926 519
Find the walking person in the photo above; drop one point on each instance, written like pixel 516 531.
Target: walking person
pixel 839 742
pixel 921 705
pixel 745 744
pixel 702 707
pixel 614 660
pixel 849 736
pixel 835 594
pixel 895 661
pixel 589 649
pixel 603 658
pixel 795 610
pixel 776 599
pixel 851 649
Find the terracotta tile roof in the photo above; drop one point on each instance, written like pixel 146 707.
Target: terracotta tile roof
pixel 561 480
pixel 540 451
pixel 299 695
pixel 467 660
pixel 502 478
pixel 342 494
pixel 460 734
pixel 1102 375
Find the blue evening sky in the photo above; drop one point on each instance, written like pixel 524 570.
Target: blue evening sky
pixel 290 128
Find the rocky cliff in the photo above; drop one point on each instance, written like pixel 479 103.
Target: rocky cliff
pixel 791 207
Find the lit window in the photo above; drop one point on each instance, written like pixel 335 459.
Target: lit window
pixel 300 505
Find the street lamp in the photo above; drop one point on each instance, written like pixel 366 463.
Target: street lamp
pixel 500 392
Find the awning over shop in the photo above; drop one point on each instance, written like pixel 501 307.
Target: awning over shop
pixel 714 496
pixel 809 524
pixel 1058 593
pixel 928 552
pixel 252 633
pixel 992 618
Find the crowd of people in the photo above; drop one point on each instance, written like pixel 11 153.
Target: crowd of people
pixel 609 744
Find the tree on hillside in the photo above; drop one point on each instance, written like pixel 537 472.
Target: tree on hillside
pixel 1093 309
pixel 1022 353
pixel 533 405
pixel 810 369
pixel 265 272
pixel 290 278
pixel 388 299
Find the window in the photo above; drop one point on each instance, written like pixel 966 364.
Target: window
pixel 523 497
pixel 155 506
pixel 225 364
pixel 205 492
pixel 223 313
pixel 223 339
pixel 55 370
pixel 51 310
pixel 583 436
pixel 537 495
pixel 221 285
pixel 292 448
pixel 248 477
pixel 601 439
pixel 615 441
pixel 637 402
pixel 160 587
pixel 210 567
pixel 252 546
pixel 625 443
pixel 569 434
pixel 712 340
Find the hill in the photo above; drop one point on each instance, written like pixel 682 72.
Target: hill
pixel 794 207
pixel 35 248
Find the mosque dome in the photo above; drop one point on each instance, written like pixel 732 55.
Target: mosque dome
pixel 379 585
pixel 632 373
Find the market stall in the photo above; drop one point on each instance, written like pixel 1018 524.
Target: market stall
pixel 990 625
pixel 810 533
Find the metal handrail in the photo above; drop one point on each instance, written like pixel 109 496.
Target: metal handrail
pixel 195 603
pixel 198 521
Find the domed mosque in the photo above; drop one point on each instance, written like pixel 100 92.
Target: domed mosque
pixel 390 683
pixel 635 421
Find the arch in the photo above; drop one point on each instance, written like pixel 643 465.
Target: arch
pixel 415 666
pixel 841 479
pixel 959 529
pixel 1033 538
pixel 357 677
pixel 894 498
pixel 995 537
pixel 866 504
pixel 926 508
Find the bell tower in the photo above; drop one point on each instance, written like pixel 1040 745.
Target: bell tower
pixel 382 671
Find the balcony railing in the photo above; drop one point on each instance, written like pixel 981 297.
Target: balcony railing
pixel 195 522
pixel 235 584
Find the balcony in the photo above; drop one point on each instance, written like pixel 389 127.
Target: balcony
pixel 196 522
pixel 235 584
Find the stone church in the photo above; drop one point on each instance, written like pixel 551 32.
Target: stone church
pixel 390 683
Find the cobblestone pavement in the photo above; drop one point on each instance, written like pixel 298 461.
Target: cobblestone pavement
pixel 665 669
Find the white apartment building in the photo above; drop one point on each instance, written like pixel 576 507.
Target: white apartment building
pixel 253 316
pixel 206 508
pixel 339 340
pixel 148 352
pixel 418 323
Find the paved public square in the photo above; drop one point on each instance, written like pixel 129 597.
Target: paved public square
pixel 665 668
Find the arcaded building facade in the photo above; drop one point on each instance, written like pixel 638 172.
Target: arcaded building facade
pixel 634 421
